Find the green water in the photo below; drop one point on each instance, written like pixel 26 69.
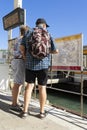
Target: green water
pixel 66 100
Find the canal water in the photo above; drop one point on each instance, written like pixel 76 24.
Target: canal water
pixel 66 101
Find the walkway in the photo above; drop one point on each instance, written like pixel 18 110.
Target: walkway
pixel 56 119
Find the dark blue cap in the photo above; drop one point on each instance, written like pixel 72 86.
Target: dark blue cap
pixel 41 20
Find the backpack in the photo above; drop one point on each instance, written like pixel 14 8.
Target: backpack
pixel 39 43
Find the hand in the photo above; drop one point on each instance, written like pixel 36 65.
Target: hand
pixel 54 51
pixel 24 57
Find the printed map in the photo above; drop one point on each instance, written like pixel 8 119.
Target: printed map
pixel 70 53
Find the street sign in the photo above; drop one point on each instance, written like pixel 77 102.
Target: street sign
pixel 13 19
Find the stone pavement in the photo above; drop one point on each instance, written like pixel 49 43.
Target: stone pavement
pixel 56 119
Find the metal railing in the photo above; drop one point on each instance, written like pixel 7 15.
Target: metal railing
pixel 54 81
pixel 67 78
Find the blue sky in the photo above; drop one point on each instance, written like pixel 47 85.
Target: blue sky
pixel 65 17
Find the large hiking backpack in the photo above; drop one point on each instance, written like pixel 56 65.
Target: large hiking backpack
pixel 39 43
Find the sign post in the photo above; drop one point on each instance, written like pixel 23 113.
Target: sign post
pixel 17 3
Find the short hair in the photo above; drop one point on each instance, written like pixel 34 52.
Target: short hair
pixel 22 29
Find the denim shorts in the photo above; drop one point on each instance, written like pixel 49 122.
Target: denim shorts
pixel 18 67
pixel 41 75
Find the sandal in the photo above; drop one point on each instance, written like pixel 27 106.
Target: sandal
pixel 20 105
pixel 23 114
pixel 16 108
pixel 42 115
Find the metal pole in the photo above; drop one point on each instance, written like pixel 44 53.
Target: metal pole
pixel 82 79
pixel 24 16
pixel 17 3
pixel 10 34
pixel 81 93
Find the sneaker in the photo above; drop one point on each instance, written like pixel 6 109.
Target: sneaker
pixel 23 114
pixel 16 108
pixel 42 115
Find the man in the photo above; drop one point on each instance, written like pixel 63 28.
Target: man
pixel 18 67
pixel 36 68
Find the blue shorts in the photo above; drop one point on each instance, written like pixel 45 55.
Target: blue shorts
pixel 18 67
pixel 41 75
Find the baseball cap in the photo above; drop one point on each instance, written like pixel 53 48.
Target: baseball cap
pixel 41 20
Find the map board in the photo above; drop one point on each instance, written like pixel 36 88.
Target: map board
pixel 70 56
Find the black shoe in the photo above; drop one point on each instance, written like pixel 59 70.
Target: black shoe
pixel 15 108
pixel 23 115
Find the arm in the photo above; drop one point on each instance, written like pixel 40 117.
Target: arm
pixel 23 43
pixel 54 50
pixel 22 49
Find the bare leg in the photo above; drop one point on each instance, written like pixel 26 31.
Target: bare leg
pixel 42 97
pixel 15 94
pixel 27 96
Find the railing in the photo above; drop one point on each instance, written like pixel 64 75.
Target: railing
pixel 67 78
pixel 53 81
